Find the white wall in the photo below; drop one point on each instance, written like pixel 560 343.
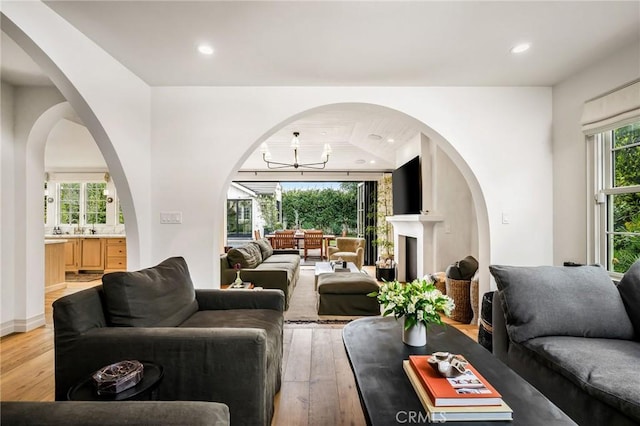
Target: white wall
pixel 70 147
pixel 569 147
pixel 213 130
pixel 7 216
pixel 117 113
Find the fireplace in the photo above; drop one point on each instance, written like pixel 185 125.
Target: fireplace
pixel 418 227
pixel 411 258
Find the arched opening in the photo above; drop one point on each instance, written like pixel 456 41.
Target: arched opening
pixel 447 163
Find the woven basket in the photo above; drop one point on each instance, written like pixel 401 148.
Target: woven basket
pixel 473 290
pixel 439 280
pixel 459 291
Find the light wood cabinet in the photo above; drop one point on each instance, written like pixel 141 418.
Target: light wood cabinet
pixel 116 255
pixel 92 254
pixel 95 254
pixel 71 255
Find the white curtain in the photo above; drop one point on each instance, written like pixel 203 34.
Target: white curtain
pixel 614 109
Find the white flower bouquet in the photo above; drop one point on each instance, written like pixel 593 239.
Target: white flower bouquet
pixel 417 301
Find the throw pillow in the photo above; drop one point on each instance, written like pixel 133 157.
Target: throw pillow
pixel 265 248
pixel 462 269
pixel 629 289
pixel 248 256
pixel 161 296
pixel 561 301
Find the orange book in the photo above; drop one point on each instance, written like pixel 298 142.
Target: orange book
pixel 442 391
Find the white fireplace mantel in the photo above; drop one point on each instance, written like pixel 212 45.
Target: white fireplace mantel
pixel 419 226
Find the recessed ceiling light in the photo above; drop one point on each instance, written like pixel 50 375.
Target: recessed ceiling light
pixel 390 140
pixel 205 49
pixel 360 161
pixel 522 47
pixel 372 162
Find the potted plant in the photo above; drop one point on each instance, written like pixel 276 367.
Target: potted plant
pixel 419 303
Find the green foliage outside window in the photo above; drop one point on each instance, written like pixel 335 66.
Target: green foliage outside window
pixel 326 209
pixel 95 203
pixel 625 159
pixel 69 203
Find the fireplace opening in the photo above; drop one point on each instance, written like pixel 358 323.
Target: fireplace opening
pixel 411 259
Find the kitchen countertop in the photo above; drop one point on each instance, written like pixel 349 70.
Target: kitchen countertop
pixel 63 236
pixel 55 241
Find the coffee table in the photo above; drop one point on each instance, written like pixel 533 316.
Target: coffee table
pixel 326 268
pixel 375 350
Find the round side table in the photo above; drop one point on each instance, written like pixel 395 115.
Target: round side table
pixel 145 389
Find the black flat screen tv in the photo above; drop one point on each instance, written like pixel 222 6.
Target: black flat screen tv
pixel 407 188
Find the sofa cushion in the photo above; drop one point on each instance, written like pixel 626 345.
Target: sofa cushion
pixel 606 369
pixel 248 256
pixel 265 248
pixel 161 296
pixel 563 301
pixel 463 269
pixel 629 289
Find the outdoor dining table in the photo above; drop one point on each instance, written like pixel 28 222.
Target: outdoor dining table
pixel 299 236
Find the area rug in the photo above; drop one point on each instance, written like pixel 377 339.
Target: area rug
pixel 71 277
pixel 303 304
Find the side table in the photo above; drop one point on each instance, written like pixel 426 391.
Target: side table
pixel 145 389
pixel 246 286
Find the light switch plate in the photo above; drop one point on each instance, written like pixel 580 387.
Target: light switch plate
pixel 171 217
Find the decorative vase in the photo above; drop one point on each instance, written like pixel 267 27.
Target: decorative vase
pixel 238 280
pixel 416 335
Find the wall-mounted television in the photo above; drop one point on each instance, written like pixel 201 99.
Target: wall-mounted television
pixel 407 188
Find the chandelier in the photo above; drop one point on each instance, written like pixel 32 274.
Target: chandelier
pixel 295 144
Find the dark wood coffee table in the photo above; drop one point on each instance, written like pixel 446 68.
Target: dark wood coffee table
pixel 375 350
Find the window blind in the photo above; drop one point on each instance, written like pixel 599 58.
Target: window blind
pixel 614 109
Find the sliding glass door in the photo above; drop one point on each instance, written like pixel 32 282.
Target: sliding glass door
pixel 239 221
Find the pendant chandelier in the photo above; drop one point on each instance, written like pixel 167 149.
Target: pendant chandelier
pixel 295 144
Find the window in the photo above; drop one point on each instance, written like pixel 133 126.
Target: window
pixel 618 208
pixel 239 222
pixel 95 203
pixel 69 203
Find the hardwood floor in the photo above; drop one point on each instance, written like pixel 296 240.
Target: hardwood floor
pixel 318 387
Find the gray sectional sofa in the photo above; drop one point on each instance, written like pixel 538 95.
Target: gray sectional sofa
pixel 575 336
pixel 98 413
pixel 214 345
pixel 263 266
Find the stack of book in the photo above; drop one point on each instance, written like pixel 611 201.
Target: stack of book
pixel 468 397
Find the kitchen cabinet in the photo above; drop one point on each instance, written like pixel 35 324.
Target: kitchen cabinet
pixel 71 255
pixel 54 266
pixel 116 255
pixel 91 254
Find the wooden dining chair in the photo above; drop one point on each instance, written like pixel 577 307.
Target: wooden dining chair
pixel 256 234
pixel 283 240
pixel 312 241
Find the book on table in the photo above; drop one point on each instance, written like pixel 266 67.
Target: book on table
pixel 499 412
pixel 468 389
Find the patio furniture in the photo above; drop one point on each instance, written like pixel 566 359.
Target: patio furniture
pixel 313 241
pixel 283 240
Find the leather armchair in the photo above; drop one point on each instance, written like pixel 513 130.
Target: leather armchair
pixel 214 345
pixel 349 249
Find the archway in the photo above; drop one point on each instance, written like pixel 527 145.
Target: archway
pixel 478 199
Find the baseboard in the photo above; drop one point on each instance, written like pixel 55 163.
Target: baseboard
pixel 7 328
pixel 24 325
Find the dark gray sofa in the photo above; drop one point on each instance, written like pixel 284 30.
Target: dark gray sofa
pixel 130 413
pixel 573 335
pixel 214 345
pixel 263 266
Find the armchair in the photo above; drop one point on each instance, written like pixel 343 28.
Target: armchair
pixel 349 249
pixel 214 345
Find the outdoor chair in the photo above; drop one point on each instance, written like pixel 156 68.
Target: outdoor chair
pixel 313 241
pixel 283 240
